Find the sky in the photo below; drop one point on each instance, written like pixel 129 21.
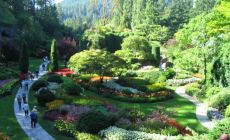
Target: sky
pixel 57 1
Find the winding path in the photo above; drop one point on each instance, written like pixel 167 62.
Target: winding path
pixel 37 133
pixel 201 109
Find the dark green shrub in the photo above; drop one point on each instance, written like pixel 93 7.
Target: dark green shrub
pixel 127 91
pixel 45 96
pixel 39 84
pixel 92 122
pixel 86 136
pixel 223 127
pixel 55 78
pixel 220 100
pixel 72 88
pixel 53 56
pixel 170 73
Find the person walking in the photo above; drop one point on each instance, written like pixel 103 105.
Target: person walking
pixel 26 109
pixel 19 100
pixel 24 97
pixel 34 118
pixel 43 67
pixel 27 86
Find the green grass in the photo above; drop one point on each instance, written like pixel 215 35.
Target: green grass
pixel 8 122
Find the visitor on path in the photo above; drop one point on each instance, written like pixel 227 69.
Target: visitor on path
pixel 20 84
pixel 43 67
pixel 26 109
pixel 34 118
pixel 26 86
pixel 36 73
pixel 19 99
pixel 24 97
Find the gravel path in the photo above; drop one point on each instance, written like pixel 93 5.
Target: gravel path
pixel 201 109
pixel 37 133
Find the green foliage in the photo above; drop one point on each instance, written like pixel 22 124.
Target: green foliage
pixel 220 100
pixel 157 55
pixel 55 78
pixel 156 87
pixel 65 128
pixel 134 114
pixel 6 88
pixel 24 60
pixel 44 96
pixel 227 111
pixel 6 17
pixel 92 122
pixel 153 76
pixel 223 127
pixel 96 61
pixel 212 90
pixel 39 84
pixel 194 89
pixel 86 136
pixel 53 56
pixel 72 88
pixel 169 73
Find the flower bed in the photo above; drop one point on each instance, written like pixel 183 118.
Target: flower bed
pixel 115 133
pixel 136 98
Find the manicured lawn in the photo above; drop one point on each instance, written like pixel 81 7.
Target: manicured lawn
pixel 8 122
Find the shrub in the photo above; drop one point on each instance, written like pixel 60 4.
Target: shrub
pixel 134 114
pixel 55 78
pixel 39 84
pixel 153 76
pixel 127 91
pixel 227 111
pixel 92 122
pixel 170 73
pixel 130 74
pixel 45 96
pixel 212 90
pixel 55 104
pixel 156 87
pixel 220 100
pixel 86 136
pixel 223 127
pixel 172 131
pixel 72 88
pixel 193 89
pixel 65 127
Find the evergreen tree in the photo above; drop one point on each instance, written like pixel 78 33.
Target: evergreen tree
pixel 24 59
pixel 137 17
pixel 53 56
pixel 127 14
pixel 151 15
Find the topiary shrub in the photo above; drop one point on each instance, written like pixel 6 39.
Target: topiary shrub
pixel 92 122
pixel 45 96
pixel 227 111
pixel 72 88
pixel 220 100
pixel 170 73
pixel 156 87
pixel 55 78
pixel 223 127
pixel 39 84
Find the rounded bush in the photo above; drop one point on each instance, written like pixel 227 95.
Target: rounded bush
pixel 220 100
pixel 39 84
pixel 72 88
pixel 55 78
pixel 170 73
pixel 227 111
pixel 92 122
pixel 45 96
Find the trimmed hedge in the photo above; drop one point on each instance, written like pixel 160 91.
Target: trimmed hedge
pixel 72 88
pixel 39 84
pixel 45 96
pixel 55 78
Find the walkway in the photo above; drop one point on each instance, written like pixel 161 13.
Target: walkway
pixel 201 109
pixel 37 133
